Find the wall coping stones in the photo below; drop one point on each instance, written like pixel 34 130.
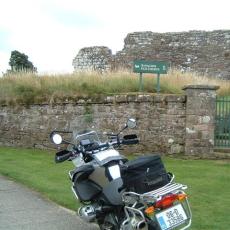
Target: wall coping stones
pixel 144 98
pixel 203 87
pixel 103 99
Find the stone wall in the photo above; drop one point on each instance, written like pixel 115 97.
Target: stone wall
pixel 166 123
pixel 199 51
pixel 161 121
pixel 200 119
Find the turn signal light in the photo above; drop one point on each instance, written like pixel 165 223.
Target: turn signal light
pixel 150 210
pixel 181 196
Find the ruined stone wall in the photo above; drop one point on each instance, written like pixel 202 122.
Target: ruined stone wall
pixel 160 118
pixel 200 51
pixel 97 58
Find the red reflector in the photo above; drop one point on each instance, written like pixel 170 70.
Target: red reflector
pixel 167 201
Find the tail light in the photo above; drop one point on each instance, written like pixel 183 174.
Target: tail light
pixel 168 200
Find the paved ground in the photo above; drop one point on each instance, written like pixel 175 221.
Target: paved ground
pixel 23 209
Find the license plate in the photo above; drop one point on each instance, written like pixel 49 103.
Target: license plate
pixel 171 217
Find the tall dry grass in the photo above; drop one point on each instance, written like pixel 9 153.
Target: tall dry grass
pixel 31 88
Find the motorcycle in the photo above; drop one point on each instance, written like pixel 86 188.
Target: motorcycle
pixel 119 194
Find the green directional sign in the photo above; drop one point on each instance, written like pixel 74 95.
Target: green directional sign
pixel 159 67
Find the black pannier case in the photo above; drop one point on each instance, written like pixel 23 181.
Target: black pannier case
pixel 144 174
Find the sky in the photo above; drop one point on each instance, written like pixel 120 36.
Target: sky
pixel 51 32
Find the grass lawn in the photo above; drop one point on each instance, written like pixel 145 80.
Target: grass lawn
pixel 208 181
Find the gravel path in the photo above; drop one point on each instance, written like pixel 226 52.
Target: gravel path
pixel 23 209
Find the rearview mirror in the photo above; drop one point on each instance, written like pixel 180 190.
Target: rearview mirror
pixel 131 123
pixel 56 138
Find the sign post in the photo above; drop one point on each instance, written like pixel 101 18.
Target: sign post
pixel 141 83
pixel 157 67
pixel 158 83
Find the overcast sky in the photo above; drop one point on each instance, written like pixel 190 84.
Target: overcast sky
pixel 51 32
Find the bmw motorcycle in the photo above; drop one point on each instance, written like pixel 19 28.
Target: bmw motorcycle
pixel 119 194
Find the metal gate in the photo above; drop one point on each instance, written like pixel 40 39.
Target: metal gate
pixel 222 128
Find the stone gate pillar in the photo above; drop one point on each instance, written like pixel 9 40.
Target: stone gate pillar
pixel 200 120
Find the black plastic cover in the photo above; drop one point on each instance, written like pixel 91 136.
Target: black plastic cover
pixel 62 156
pixel 130 139
pixel 84 187
pixel 113 192
pixel 82 172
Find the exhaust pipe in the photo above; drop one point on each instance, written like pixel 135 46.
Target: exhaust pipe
pixel 141 225
pixel 138 224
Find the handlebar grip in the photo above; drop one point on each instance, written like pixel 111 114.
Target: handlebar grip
pixel 130 142
pixel 62 156
pixel 104 145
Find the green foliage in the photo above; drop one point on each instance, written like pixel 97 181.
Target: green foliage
pixel 19 62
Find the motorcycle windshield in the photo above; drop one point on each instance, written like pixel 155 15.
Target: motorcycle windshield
pixel 90 135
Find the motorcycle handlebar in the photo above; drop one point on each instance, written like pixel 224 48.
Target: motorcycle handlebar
pixel 118 142
pixel 65 154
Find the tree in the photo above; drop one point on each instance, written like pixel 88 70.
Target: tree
pixel 19 62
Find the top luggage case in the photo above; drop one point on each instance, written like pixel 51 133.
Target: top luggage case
pixel 144 174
